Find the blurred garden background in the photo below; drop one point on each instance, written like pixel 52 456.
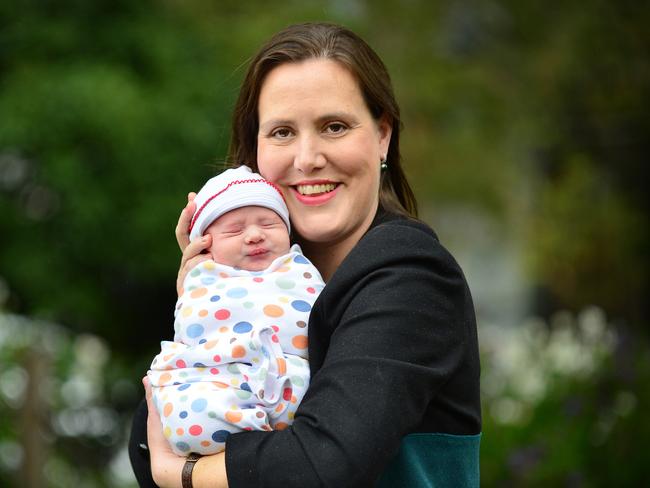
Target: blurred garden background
pixel 526 128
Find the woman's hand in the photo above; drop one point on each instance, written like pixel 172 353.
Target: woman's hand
pixel 184 221
pixel 193 252
pixel 166 467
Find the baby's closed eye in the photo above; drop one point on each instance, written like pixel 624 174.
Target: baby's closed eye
pixel 232 231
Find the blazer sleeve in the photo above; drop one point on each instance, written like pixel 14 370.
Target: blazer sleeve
pixel 398 309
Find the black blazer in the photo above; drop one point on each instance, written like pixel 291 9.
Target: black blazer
pixel 392 350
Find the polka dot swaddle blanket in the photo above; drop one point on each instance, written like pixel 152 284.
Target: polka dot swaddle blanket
pixel 239 357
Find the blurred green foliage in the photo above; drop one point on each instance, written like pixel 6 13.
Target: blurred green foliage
pixel 536 114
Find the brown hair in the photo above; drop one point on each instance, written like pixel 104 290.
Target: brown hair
pixel 322 40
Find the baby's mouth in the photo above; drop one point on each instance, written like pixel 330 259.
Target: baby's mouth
pixel 310 190
pixel 258 252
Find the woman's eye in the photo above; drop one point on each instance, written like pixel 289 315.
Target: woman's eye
pixel 336 128
pixel 281 133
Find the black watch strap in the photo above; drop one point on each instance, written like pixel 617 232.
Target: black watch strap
pixel 188 467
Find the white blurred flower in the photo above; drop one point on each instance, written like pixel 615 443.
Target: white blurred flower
pixel 89 421
pixel 593 325
pixel 530 384
pixel 13 385
pixel 11 455
pixel 79 391
pixel 507 410
pixel 91 352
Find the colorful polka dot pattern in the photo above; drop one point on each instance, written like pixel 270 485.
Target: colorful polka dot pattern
pixel 239 357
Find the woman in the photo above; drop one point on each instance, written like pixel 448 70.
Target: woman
pixel 394 392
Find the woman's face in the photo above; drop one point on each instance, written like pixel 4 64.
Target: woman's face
pixel 319 143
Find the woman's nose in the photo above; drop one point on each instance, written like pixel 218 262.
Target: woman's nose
pixel 309 155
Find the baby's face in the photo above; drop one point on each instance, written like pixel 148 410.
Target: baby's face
pixel 248 238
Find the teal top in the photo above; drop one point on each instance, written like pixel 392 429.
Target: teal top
pixel 434 461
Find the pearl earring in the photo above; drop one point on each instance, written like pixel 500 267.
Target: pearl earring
pixel 384 165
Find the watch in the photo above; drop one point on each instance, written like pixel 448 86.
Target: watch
pixel 188 467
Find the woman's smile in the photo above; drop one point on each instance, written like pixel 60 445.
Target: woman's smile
pixel 314 188
pixel 315 192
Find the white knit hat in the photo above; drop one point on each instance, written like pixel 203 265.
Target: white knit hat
pixel 235 188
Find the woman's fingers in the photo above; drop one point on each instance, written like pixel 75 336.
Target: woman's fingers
pixel 154 425
pixel 184 220
pixel 193 254
pixel 165 465
pixel 148 396
pixel 194 249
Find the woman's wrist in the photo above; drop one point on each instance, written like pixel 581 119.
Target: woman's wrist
pixel 210 471
pixel 168 475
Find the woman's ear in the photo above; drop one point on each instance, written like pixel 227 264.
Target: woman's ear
pixel 385 130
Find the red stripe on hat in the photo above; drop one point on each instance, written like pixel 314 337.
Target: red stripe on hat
pixel 236 182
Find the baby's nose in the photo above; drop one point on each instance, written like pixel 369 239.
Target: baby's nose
pixel 254 234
